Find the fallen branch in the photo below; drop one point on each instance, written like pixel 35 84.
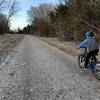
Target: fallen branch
pixel 90 25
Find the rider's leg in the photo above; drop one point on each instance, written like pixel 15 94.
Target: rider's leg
pixel 87 59
pixel 94 60
pixel 94 54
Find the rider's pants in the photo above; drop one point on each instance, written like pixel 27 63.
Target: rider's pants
pixel 91 54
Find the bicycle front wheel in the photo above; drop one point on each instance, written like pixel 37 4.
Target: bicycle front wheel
pixel 81 60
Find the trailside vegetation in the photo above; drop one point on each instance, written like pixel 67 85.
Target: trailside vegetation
pixel 68 20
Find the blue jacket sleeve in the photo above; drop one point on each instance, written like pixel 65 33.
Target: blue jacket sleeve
pixel 82 44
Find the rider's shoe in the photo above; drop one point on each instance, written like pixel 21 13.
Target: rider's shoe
pixel 85 69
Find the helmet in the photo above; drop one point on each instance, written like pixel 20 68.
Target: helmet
pixel 91 34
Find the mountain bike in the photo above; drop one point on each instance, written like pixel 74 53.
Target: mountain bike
pixel 92 65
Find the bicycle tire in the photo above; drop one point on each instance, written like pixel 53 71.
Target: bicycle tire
pixel 81 59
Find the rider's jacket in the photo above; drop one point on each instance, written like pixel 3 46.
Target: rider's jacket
pixel 90 43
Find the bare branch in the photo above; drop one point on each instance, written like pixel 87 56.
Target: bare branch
pixel 40 12
pixel 90 25
pixel 12 9
pixel 2 4
pixel 65 2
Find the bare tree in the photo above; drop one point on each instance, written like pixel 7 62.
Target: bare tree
pixel 39 17
pixel 12 9
pixel 40 12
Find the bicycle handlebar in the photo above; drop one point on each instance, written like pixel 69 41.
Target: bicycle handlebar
pixel 81 46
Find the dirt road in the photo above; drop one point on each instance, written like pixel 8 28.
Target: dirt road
pixel 38 71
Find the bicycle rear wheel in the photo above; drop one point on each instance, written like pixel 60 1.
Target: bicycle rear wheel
pixel 81 60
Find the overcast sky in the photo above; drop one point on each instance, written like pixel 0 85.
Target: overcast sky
pixel 20 20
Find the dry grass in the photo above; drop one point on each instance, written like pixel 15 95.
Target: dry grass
pixel 7 43
pixel 68 47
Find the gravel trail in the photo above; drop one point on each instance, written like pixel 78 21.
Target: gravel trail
pixel 38 71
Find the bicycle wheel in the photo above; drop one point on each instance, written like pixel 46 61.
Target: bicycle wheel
pixel 81 60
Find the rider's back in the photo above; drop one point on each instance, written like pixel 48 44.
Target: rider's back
pixel 92 44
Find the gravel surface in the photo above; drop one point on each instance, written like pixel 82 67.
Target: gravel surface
pixel 38 71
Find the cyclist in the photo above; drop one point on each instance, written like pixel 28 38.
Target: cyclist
pixel 91 45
